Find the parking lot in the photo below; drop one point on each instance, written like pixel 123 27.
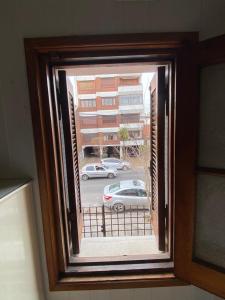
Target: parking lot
pixel 92 189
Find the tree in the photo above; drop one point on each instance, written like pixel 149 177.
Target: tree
pixel 124 136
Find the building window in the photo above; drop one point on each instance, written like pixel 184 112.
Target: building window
pixel 109 120
pixel 88 121
pixel 110 137
pixel 134 134
pixel 88 103
pixel 130 118
pixel 130 99
pixel 108 101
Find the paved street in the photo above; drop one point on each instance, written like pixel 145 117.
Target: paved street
pixel 92 189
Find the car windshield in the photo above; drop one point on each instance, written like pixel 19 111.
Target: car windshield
pixel 137 183
pixel 114 187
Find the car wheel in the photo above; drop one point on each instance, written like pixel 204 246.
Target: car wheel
pixel 125 168
pixel 111 175
pixel 118 207
pixel 84 177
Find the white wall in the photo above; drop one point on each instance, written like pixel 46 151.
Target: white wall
pixel 20 272
pixel 30 18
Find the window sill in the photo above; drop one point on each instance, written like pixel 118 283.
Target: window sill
pixel 117 282
pixel 118 246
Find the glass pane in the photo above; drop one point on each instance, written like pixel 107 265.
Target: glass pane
pixel 112 118
pixel 212 117
pixel 210 220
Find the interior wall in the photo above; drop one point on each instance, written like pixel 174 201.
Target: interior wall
pixel 30 18
pixel 20 272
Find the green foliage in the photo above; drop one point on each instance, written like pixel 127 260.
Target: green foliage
pixel 123 134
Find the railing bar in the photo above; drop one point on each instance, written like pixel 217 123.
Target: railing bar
pixel 96 219
pixel 131 222
pixel 144 222
pixel 137 221
pixel 90 220
pixel 111 223
pixel 84 224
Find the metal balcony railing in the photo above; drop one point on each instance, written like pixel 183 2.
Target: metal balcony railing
pixel 100 221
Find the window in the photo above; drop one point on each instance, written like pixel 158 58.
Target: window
pixel 142 193
pixel 134 134
pixel 109 119
pixel 114 187
pixel 91 121
pixel 54 112
pixel 99 168
pixel 130 99
pixel 88 103
pixel 90 168
pixel 110 137
pixel 130 118
pixel 108 101
pixel 129 192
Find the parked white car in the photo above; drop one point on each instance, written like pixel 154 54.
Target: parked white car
pixel 116 163
pixel 126 194
pixel 97 171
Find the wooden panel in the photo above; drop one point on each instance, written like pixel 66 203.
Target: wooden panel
pixel 185 158
pixel 158 101
pixel 211 141
pixel 197 267
pixel 72 184
pixel 151 41
pixel 207 266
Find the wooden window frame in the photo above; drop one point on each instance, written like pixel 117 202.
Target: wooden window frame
pixel 201 273
pixel 42 52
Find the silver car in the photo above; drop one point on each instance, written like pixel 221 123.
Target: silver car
pixel 126 194
pixel 97 171
pixel 116 163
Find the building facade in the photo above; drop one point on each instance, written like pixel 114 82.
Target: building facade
pixel 105 104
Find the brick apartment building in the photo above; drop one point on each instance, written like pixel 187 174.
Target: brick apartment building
pixel 106 103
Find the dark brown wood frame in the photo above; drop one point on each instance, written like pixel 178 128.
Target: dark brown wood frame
pixel 43 52
pixel 204 274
